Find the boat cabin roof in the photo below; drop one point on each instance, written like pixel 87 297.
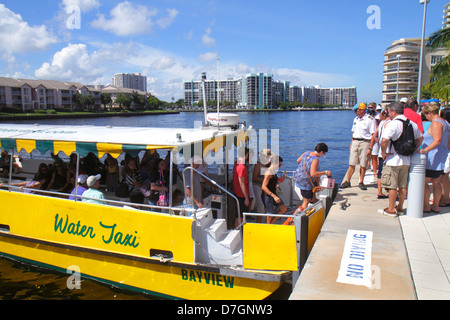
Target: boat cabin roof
pixel 113 140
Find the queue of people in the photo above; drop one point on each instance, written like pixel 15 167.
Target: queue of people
pixel 379 136
pixel 256 185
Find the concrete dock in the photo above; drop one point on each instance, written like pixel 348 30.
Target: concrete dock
pixel 410 258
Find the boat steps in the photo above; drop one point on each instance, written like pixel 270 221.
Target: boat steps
pixel 215 244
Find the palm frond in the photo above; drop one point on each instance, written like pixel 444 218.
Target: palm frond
pixel 439 39
pixel 442 68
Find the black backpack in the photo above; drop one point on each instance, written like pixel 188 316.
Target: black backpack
pixel 406 144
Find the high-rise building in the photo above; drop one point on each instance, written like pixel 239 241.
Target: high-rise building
pixel 295 94
pixel 401 68
pixel 229 91
pixel 257 91
pixel 131 81
pixel 401 65
pixel 446 18
pixel 345 97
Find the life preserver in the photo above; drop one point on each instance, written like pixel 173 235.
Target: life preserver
pixel 290 221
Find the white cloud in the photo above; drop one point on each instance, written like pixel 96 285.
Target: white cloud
pixel 127 19
pixel 75 63
pixel 207 40
pixel 71 63
pixel 163 63
pixel 299 77
pixel 84 5
pixel 16 36
pixel 208 56
pixel 167 21
pixel 97 62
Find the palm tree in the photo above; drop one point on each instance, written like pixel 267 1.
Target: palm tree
pixel 440 73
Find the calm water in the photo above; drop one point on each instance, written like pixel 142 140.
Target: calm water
pixel 299 132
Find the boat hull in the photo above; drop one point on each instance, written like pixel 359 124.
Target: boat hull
pixel 60 235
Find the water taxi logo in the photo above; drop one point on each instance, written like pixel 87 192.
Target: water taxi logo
pixel 63 225
pixel 374 21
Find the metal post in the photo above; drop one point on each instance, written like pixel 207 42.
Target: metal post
pixel 77 172
pixel 416 185
pixel 11 159
pixel 398 75
pixel 419 87
pixel 192 183
pixel 171 182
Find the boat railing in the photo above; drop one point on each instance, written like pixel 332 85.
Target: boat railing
pixel 170 210
pixel 216 185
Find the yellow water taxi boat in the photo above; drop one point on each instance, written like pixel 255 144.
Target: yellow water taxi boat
pixel 172 252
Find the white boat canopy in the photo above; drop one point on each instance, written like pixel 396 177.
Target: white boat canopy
pixel 113 140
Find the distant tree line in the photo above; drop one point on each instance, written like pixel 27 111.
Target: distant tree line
pixel 124 101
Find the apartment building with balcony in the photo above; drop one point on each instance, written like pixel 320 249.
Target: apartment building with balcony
pixel 446 16
pixel 295 94
pixel 26 94
pixel 258 91
pixel 345 97
pixel 229 90
pixel 401 68
pixel 130 81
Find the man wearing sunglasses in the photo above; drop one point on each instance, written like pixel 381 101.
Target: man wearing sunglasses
pixel 363 128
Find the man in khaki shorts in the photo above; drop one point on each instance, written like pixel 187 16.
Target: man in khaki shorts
pixel 396 167
pixel 364 126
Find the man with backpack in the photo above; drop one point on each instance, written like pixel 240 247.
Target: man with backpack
pixel 401 138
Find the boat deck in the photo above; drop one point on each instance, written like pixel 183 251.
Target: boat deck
pixel 410 257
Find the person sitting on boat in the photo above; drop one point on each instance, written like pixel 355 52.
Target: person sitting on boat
pixel 91 165
pixel 133 180
pixel 80 188
pixel 156 188
pixel 112 173
pixel 4 163
pixel 93 183
pixel 59 177
pixel 44 174
pixel 272 203
pixel 196 194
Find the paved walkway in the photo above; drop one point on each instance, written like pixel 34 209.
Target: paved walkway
pixel 410 257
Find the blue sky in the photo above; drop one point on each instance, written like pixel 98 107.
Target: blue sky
pixel 308 43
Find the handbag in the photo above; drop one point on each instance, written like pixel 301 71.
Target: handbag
pixel 162 200
pixel 316 188
pixel 122 190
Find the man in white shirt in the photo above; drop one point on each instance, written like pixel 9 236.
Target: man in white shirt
pixel 396 170
pixel 364 126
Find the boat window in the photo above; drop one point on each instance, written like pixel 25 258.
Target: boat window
pixel 4 228
pixel 155 253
